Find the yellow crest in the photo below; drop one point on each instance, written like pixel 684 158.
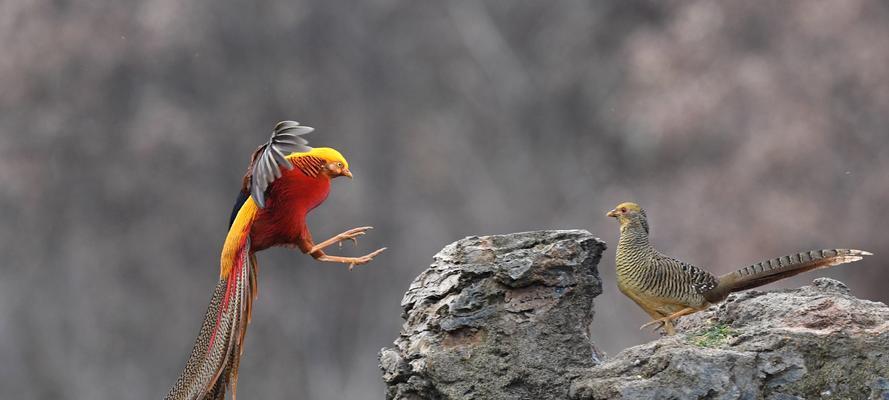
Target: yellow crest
pixel 325 153
pixel 630 206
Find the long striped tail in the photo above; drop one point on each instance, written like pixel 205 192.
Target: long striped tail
pixel 775 269
pixel 213 365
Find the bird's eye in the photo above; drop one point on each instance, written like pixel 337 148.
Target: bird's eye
pixel 339 164
pixel 623 210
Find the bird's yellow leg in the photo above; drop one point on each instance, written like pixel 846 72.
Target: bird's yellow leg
pixel 668 320
pixel 650 307
pixel 352 261
pixel 668 327
pixel 351 234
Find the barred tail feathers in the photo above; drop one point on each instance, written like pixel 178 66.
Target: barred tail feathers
pixel 775 269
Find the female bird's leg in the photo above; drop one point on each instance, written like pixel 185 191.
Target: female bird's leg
pixel 351 234
pixel 352 261
pixel 667 321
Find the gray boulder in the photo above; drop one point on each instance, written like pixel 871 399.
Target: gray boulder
pixel 498 317
pixel 815 342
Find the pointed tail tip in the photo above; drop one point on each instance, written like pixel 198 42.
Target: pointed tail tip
pixel 862 252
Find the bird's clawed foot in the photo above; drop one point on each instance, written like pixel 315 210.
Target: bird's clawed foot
pixel 364 259
pixel 352 261
pixel 666 322
pixel 351 234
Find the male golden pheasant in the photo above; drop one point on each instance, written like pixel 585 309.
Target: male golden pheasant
pixel 667 288
pixel 285 180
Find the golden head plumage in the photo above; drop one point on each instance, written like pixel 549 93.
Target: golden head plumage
pixel 336 164
pixel 626 212
pixel 326 153
pixel 629 213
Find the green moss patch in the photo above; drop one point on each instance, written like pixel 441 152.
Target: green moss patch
pixel 714 336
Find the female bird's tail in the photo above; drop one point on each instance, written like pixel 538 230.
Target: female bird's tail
pixel 779 268
pixel 213 364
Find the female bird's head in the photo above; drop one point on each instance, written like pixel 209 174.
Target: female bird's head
pixel 629 214
pixel 334 163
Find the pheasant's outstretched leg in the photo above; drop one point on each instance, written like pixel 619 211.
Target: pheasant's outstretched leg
pixel 351 234
pixel 317 250
pixel 352 261
pixel 667 321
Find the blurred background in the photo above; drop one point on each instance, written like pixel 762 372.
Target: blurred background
pixel 747 131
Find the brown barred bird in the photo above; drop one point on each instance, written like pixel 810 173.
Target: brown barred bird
pixel 667 288
pixel 285 180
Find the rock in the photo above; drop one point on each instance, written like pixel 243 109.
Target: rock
pixel 810 343
pixel 507 317
pixel 498 317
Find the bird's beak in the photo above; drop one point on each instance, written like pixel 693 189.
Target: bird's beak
pixel 346 172
pixel 612 213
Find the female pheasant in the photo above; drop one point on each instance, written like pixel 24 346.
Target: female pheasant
pixel 667 288
pixel 285 180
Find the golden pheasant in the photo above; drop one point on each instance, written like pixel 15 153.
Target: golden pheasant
pixel 667 288
pixel 285 180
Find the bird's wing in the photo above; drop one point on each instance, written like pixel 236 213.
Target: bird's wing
pixel 213 364
pixel 272 156
pixel 685 275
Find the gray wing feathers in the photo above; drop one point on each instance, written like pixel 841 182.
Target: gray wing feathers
pixel 286 139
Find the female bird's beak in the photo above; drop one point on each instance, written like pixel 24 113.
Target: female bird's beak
pixel 612 213
pixel 346 172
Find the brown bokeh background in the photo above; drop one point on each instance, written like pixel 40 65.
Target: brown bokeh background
pixel 747 131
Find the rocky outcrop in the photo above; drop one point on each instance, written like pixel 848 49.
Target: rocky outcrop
pixel 506 317
pixel 815 342
pixel 498 317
